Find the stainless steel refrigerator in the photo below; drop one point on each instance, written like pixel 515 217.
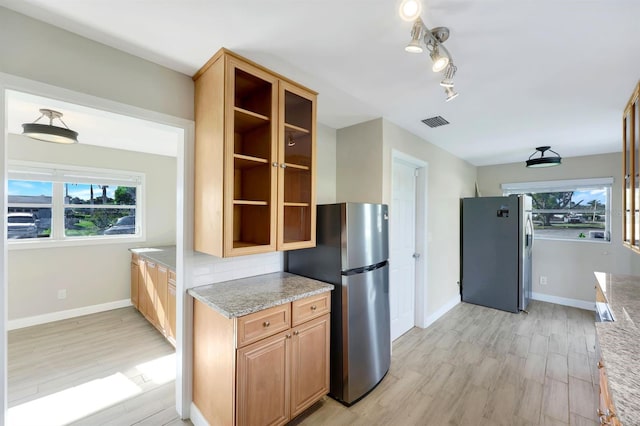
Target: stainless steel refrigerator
pixel 497 240
pixel 352 248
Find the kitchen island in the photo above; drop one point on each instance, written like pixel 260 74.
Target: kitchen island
pixel 260 348
pixel 619 343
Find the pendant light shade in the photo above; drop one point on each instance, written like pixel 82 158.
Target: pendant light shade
pixel 49 132
pixel 543 161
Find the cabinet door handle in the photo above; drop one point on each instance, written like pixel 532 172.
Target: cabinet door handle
pixel 600 365
pixel 288 336
pixel 274 164
pixel 266 324
pixel 314 307
pixel 284 166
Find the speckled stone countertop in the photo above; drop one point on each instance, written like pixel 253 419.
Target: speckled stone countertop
pixel 247 295
pixel 620 343
pixel 165 255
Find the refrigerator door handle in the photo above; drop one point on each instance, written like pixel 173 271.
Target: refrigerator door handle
pixel 529 232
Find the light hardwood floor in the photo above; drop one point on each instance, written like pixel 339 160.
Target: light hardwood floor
pixel 478 366
pixel 107 368
pixel 474 366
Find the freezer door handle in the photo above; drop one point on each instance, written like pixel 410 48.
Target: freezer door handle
pixel 416 255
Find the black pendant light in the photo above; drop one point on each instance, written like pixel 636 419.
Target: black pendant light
pixel 543 161
pixel 49 132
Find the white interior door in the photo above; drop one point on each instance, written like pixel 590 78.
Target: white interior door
pixel 402 232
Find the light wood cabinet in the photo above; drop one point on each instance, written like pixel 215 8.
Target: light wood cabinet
pixel 134 281
pixel 170 325
pixel 255 157
pixel 153 293
pixel 258 369
pixel 606 410
pixel 309 358
pixel 631 171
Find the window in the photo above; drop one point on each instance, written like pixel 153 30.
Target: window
pixel 47 204
pixel 577 210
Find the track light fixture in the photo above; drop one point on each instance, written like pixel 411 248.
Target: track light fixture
pixel 49 132
pixel 433 41
pixel 543 161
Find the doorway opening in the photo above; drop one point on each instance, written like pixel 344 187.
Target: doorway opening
pixel 144 131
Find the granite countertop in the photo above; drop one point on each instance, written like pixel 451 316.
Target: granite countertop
pixel 247 295
pixel 620 343
pixel 164 255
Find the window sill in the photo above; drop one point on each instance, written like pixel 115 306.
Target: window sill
pixel 75 242
pixel 585 240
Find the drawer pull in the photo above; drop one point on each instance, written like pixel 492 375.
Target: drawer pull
pixel 288 336
pixel 314 307
pixel 600 365
pixel 266 324
pixel 295 333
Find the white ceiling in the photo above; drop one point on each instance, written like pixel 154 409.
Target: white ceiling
pixel 95 127
pixel 530 73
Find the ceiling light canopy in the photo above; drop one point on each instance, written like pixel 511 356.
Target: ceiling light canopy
pixel 543 161
pixel 433 41
pixel 49 132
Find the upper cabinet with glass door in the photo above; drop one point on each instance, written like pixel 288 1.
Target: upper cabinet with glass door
pixel 254 159
pixel 631 171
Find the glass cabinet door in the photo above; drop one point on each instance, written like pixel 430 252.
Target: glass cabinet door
pixel 636 173
pixel 250 184
pixel 627 176
pixel 296 156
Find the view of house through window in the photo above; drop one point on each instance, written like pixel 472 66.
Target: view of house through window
pixel 569 210
pixel 71 204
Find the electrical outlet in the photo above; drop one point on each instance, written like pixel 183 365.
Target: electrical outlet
pixel 62 294
pixel 543 280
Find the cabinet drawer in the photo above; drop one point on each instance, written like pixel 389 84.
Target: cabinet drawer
pixel 310 307
pixel 259 325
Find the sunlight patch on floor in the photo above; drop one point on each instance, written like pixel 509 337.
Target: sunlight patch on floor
pixel 74 403
pixel 160 370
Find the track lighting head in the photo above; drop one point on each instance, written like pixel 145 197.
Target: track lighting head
pixel 410 9
pixel 451 94
pixel 449 73
pixel 440 61
pixel 414 45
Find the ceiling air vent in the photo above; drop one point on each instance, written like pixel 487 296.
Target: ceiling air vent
pixel 435 121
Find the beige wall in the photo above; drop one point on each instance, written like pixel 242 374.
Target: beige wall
pixel 93 274
pixel 569 265
pixel 364 175
pixel 448 179
pixel 38 51
pixel 359 163
pixel 326 165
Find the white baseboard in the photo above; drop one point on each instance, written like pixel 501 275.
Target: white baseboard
pixel 582 304
pixel 443 310
pixel 62 315
pixel 196 417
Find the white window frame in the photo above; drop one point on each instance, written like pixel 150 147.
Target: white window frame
pixel 60 174
pixel 567 185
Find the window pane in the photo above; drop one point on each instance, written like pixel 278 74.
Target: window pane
pixel 28 222
pixel 93 194
pixel 571 215
pixel 28 212
pixel 86 222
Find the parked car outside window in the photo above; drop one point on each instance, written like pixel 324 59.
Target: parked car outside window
pixel 22 225
pixel 124 225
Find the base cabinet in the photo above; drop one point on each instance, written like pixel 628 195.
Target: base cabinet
pixel 247 373
pixel 150 294
pixel 606 410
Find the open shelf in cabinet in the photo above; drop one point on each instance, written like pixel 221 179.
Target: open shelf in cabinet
pixel 296 222
pixel 251 224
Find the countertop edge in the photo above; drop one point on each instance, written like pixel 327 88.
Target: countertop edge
pixel 193 292
pixel 150 255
